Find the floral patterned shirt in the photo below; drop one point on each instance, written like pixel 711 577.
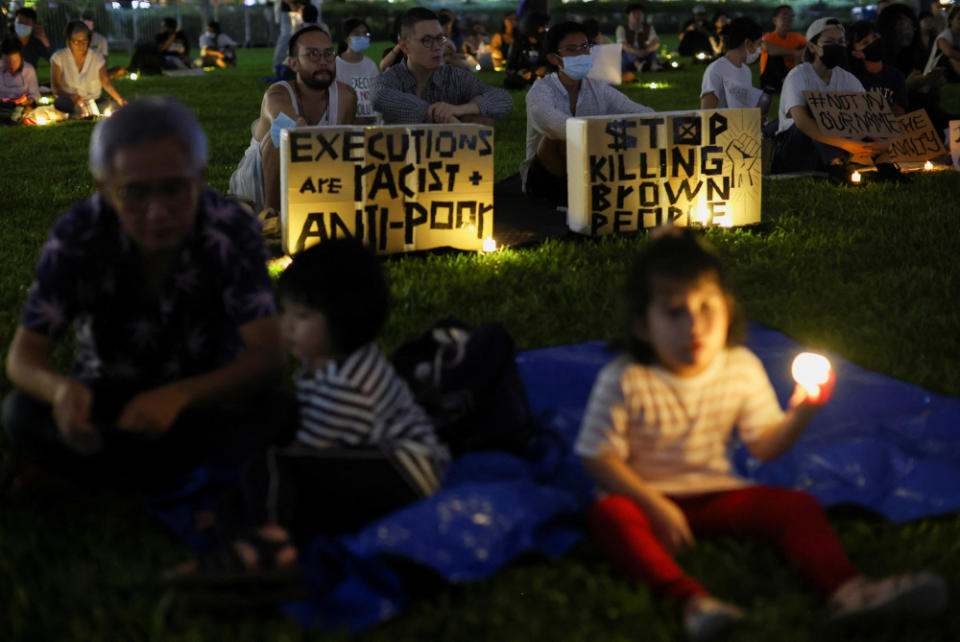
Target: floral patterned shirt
pixel 89 274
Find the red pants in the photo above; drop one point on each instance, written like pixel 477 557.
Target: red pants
pixel 790 519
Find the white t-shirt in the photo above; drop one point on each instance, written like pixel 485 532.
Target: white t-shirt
pixel 359 75
pixel 804 78
pixel 722 76
pixel 213 41
pixel 85 81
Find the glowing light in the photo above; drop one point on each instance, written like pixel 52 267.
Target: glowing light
pixel 489 245
pixel 45 100
pixel 107 113
pixel 928 166
pixel 811 371
pixel 656 85
pixel 674 64
pixel 478 67
pixel 134 76
pixel 275 267
pixel 855 178
pixel 701 56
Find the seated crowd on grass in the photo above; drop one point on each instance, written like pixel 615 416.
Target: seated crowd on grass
pixel 179 340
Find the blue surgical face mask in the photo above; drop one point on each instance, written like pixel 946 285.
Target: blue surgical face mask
pixel 22 30
pixel 577 67
pixel 359 43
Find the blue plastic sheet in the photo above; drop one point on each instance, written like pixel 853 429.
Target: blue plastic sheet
pixel 887 445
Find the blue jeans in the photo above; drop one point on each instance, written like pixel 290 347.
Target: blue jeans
pixel 627 60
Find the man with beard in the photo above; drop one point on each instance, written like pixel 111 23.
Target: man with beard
pixel 424 90
pixel 801 145
pixel 314 97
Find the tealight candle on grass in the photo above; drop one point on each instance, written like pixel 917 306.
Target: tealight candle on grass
pixel 489 244
pixel 811 371
pixel 928 166
pixel 855 178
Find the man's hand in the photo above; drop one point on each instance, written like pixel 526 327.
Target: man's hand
pixel 41 35
pixel 869 150
pixel 72 403
pixel 155 411
pixel 670 525
pixel 442 113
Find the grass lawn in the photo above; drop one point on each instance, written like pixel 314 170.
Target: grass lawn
pixel 869 273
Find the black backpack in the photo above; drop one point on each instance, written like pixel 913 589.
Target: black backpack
pixel 467 380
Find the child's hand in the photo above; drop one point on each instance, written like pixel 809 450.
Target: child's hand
pixel 802 396
pixel 670 525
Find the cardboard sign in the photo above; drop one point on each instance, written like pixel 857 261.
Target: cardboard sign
pixel 606 63
pixel 854 115
pixel 920 140
pixel 955 143
pixel 399 188
pixel 742 96
pixel 636 171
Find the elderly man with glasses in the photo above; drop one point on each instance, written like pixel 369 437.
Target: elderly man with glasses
pixel 314 97
pixel 555 98
pixel 165 284
pixel 425 90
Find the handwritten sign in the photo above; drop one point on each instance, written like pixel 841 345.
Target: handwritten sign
pixel 955 143
pixel 398 188
pixel 920 140
pixel 853 115
pixel 631 172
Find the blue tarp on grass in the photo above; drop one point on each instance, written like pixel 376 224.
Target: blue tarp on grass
pixel 886 445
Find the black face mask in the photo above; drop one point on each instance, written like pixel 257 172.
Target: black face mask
pixel 833 55
pixel 874 51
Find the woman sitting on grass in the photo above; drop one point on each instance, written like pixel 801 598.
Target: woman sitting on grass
pixel 655 437
pixel 728 77
pixel 78 74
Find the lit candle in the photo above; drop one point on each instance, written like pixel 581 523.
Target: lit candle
pixel 928 166
pixel 134 76
pixel 811 371
pixel 855 178
pixel 489 245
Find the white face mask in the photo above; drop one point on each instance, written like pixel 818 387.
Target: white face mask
pixel 22 30
pixel 753 57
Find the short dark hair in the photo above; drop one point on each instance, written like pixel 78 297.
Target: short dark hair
pixel 776 12
pixel 170 22
pixel 309 13
pixel 344 280
pixel 859 31
pixel 681 255
pixel 636 6
pixel 213 24
pixel 558 32
pixel 11 45
pixel 410 18
pixel 87 14
pixel 740 29
pixel 26 12
pixel 346 27
pixel 295 38
pixel 592 28
pixel 74 26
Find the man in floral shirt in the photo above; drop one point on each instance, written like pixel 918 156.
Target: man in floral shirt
pixel 165 283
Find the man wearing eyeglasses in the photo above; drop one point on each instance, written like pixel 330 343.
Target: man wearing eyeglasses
pixel 166 286
pixel 555 98
pixel 313 97
pixel 425 90
pixel 801 145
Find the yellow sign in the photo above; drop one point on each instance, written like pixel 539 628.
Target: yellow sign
pixel 630 172
pixel 398 188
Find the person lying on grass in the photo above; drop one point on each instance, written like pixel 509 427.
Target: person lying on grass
pixel 552 100
pixel 655 437
pixel 165 283
pixel 314 97
pixel 801 145
pixel 362 446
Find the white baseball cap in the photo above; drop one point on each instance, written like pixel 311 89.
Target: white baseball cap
pixel 820 25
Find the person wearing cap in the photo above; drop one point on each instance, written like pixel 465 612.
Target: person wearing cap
pixel 801 145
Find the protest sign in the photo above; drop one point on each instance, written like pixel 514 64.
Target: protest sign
pixel 635 171
pixel 606 63
pixel 854 115
pixel 920 141
pixel 398 188
pixel 955 143
pixel 742 96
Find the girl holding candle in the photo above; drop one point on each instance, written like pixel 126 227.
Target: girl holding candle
pixel 655 437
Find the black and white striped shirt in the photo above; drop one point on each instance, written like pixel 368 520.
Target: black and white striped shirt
pixel 363 403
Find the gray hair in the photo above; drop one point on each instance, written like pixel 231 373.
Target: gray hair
pixel 142 121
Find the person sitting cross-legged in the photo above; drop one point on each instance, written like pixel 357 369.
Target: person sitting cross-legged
pixel 555 98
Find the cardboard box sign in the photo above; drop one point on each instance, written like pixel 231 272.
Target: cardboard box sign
pixel 854 115
pixel 399 188
pixel 920 141
pixel 636 171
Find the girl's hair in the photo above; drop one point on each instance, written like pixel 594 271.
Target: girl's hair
pixel 346 28
pixel 73 27
pixel 683 256
pixel 343 280
pixel 740 29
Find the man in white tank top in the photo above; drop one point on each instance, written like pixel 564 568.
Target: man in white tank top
pixel 315 97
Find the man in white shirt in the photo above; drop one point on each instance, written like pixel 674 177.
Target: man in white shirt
pixel 557 97
pixel 801 146
pixel 217 48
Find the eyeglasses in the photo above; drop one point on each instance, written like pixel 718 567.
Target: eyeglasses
pixel 138 193
pixel 575 50
pixel 83 41
pixel 433 41
pixel 316 54
pixel 360 35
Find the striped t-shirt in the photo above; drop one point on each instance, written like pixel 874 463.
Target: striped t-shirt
pixel 675 432
pixel 363 403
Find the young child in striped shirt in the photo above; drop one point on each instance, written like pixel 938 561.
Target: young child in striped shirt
pixel 656 433
pixel 362 448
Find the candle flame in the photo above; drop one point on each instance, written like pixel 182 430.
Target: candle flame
pixel 855 177
pixel 489 245
pixel 928 166
pixel 811 371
